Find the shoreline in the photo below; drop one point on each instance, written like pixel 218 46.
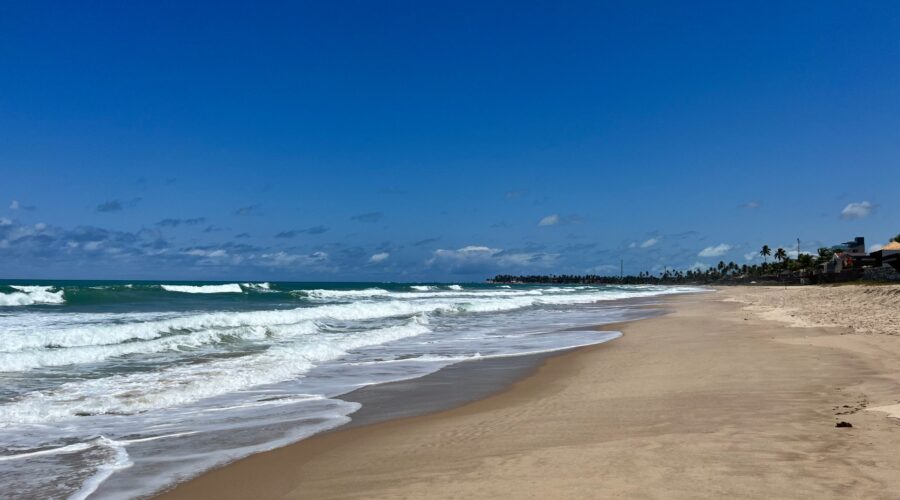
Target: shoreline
pixel 439 396
pixel 441 390
pixel 666 410
pixel 468 381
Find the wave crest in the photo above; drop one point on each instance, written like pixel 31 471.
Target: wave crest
pixel 31 295
pixel 229 288
pixel 342 294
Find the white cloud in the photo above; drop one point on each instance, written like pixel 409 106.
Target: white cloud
pixel 214 257
pixel 466 252
pixel 211 254
pixel 92 246
pixel 793 253
pixel 699 266
pixel 633 244
pixel 752 204
pixel 550 220
pixel 5 222
pixel 649 243
pixel 876 247
pixel 284 259
pixel 379 257
pixel 751 256
pixel 475 256
pixel 716 251
pixel 857 210
pixel 14 205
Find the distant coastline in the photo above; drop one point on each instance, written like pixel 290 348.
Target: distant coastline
pixel 846 262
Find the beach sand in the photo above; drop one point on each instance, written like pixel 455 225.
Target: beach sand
pixel 719 398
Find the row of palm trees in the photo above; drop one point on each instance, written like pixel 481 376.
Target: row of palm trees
pixel 785 263
pixel 722 271
pixel 780 254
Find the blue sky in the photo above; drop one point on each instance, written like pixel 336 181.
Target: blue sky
pixel 420 141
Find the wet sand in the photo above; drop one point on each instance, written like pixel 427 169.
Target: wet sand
pixel 711 400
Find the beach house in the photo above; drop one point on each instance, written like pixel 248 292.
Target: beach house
pixel 847 255
pixel 888 255
pixel 851 261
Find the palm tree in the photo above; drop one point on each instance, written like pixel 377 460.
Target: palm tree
pixel 896 239
pixel 780 254
pixel 766 252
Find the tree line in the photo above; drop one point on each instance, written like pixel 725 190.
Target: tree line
pixel 781 264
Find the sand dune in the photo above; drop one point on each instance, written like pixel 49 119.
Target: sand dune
pixel 867 309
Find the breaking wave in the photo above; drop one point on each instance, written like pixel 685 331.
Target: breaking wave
pixel 229 288
pixel 31 295
pixel 191 382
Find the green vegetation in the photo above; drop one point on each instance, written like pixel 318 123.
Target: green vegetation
pixel 722 273
pixel 783 269
pixel 766 252
pixel 780 255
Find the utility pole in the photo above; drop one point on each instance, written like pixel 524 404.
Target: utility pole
pixel 621 269
pixel 798 248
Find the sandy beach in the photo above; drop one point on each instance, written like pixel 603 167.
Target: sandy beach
pixel 735 393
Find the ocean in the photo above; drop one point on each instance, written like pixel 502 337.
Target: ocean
pixel 120 389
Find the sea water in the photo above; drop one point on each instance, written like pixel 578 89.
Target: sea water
pixel 120 389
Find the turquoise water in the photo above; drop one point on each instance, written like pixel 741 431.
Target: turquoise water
pixel 118 389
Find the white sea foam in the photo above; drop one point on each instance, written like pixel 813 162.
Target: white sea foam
pixel 36 358
pixel 422 288
pixel 229 288
pixel 137 392
pixel 464 294
pixel 429 292
pixel 257 286
pixel 120 460
pixel 72 448
pixel 455 287
pixel 446 360
pixel 343 294
pixel 107 334
pixel 30 295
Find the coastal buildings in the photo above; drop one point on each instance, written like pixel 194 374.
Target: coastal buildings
pixel 888 255
pixel 847 255
pixel 851 257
